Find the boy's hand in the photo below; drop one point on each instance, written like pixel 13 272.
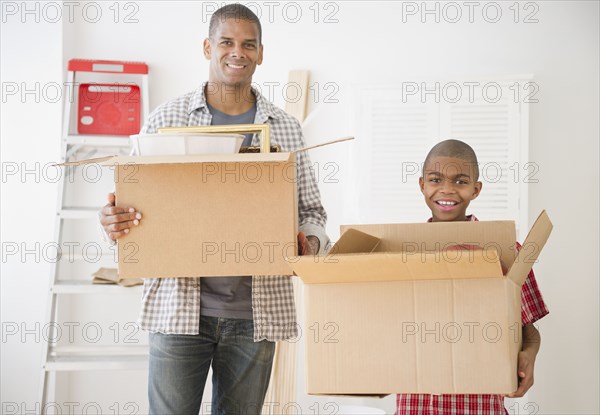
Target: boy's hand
pixel 526 359
pixel 117 221
pixel 307 245
pixel 525 372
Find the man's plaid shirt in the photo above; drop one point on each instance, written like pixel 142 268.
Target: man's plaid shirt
pixel 172 305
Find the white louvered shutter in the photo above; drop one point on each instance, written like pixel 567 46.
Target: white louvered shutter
pixel 393 137
pixel 395 133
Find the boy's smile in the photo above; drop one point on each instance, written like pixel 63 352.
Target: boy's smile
pixel 449 184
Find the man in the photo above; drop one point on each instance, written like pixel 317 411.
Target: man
pixel 232 322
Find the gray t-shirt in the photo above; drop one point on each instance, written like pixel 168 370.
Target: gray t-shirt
pixel 228 297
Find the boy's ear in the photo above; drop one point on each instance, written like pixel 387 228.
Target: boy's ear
pixel 421 184
pixel 478 186
pixel 206 49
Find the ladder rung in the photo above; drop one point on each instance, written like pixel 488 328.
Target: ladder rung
pixel 80 257
pixel 86 287
pixel 100 350
pixel 96 362
pixel 98 140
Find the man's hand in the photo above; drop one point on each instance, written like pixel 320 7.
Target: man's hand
pixel 308 245
pixel 117 221
pixel 526 360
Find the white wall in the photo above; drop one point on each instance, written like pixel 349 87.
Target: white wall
pixel 30 133
pixel 369 43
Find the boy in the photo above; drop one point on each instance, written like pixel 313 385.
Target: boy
pixel 450 181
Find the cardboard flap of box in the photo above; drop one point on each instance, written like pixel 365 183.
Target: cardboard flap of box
pixel 199 158
pixel 181 159
pixel 390 252
pixel 97 160
pixel 397 266
pixel 438 236
pixel 531 248
pixel 354 242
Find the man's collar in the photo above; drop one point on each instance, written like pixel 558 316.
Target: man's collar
pixel 264 108
pixel 198 100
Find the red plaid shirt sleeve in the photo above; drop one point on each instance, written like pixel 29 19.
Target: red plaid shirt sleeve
pixel 533 308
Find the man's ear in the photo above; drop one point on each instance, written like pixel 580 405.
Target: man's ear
pixel 422 184
pixel 260 55
pixel 478 186
pixel 207 49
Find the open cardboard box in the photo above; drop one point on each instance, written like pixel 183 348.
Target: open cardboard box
pixel 417 308
pixel 208 215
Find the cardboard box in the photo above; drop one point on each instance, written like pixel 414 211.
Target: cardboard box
pixel 417 308
pixel 207 215
pixel 108 276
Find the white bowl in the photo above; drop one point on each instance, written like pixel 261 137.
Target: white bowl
pixel 182 144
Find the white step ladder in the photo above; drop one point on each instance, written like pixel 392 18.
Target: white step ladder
pixel 57 357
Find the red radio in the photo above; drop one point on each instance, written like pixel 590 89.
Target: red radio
pixel 108 109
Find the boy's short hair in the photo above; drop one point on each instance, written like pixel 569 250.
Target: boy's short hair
pixel 457 149
pixel 234 11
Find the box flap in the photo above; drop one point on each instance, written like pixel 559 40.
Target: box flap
pixel 395 266
pixel 199 158
pixel 533 245
pixel 181 159
pixel 97 160
pixel 339 140
pixel 354 242
pixel 441 235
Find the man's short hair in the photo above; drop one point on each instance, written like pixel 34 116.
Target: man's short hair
pixel 234 11
pixel 457 149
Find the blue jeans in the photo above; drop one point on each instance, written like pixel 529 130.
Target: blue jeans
pixel 179 366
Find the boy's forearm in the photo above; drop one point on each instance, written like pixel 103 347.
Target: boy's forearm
pixel 531 340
